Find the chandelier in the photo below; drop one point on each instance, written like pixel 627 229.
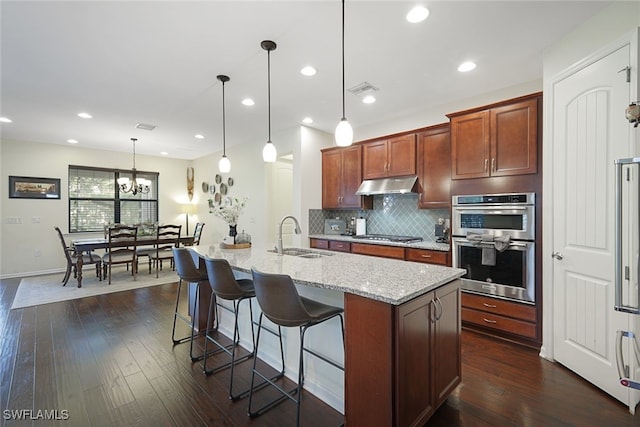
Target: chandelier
pixel 135 185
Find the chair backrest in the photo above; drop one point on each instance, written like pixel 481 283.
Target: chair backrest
pixel 197 233
pixel 65 248
pixel 167 236
pixel 122 241
pixel 279 299
pixel 186 267
pixel 223 282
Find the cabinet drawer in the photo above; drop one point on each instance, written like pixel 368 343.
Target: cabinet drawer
pixel 378 250
pixel 502 323
pixel 336 245
pixel 498 306
pixel 319 243
pixel 425 255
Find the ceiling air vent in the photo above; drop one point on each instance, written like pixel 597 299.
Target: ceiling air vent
pixel 362 88
pixel 145 126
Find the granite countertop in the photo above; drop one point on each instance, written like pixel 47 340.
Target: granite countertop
pixel 388 280
pixel 444 247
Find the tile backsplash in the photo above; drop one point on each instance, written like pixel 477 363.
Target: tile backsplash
pixel 395 214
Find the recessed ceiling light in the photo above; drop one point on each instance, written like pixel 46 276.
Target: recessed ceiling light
pixel 5 120
pixel 466 66
pixel 198 136
pixel 248 102
pixel 417 14
pixel 308 71
pixel 85 115
pixel 72 141
pixel 369 99
pixel 307 120
pixel 164 153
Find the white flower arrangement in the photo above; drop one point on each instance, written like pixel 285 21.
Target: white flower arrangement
pixel 228 213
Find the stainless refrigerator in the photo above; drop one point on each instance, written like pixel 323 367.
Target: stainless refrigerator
pixel 627 271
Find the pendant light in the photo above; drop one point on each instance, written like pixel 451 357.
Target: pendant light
pixel 344 131
pixel 269 152
pixel 135 185
pixel 224 165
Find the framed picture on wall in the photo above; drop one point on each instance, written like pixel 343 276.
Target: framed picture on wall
pixel 24 187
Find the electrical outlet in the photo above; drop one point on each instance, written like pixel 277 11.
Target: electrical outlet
pixel 37 253
pixel 13 220
pixel 35 219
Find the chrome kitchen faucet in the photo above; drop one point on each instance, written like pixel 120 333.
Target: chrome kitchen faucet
pixel 297 231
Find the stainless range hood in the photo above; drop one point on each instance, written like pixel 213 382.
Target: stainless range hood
pixel 398 185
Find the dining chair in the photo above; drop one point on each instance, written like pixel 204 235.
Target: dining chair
pixel 121 249
pixel 197 233
pixel 72 260
pixel 167 238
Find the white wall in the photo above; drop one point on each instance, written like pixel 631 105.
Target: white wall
pixel 32 247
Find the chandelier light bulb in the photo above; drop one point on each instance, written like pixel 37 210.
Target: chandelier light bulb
pixel 344 133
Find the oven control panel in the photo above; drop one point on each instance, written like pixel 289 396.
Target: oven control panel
pixel 493 199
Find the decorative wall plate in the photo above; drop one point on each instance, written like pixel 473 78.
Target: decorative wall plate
pixel 227 201
pixel 218 179
pixel 205 186
pixel 223 189
pixel 230 182
pixel 212 189
pixel 217 198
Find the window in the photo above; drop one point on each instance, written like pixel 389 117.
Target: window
pixel 95 199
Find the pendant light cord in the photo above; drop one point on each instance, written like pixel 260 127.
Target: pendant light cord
pixel 269 90
pixel 343 103
pixel 134 154
pixel 224 130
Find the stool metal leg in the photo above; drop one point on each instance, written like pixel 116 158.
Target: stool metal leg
pixel 177 315
pixel 267 380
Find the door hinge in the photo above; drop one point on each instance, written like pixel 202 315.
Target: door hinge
pixel 628 174
pixel 626 272
pixel 628 71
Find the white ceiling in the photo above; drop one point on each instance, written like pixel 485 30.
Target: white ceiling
pixel 156 62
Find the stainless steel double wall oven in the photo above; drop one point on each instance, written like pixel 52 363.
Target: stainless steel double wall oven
pixel 493 238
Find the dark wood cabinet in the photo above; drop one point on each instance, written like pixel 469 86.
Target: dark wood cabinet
pixel 497 141
pixel 427 256
pixel 378 250
pixel 389 157
pixel 409 384
pixel 341 177
pixel 434 167
pixel 493 314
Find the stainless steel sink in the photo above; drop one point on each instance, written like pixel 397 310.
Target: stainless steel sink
pixel 302 253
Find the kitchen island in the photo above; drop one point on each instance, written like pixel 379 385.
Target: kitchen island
pixel 402 329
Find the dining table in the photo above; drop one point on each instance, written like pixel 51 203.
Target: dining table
pixel 81 246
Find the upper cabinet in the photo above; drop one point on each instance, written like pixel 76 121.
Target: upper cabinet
pixel 389 157
pixel 341 177
pixel 434 167
pixel 498 141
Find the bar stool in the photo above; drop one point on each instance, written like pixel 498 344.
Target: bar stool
pixel 225 286
pixel 188 272
pixel 280 302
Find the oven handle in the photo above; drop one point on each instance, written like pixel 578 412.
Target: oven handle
pixel 490 209
pixel 466 242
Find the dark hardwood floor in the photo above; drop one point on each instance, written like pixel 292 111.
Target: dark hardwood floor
pixel 109 361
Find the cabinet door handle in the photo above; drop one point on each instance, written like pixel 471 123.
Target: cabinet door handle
pixel 486 161
pixel 493 164
pixel 489 321
pixel 425 256
pixel 489 305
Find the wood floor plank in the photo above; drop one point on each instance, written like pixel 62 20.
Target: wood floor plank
pixel 109 361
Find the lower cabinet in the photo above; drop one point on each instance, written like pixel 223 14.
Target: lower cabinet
pixel 409 254
pixel 497 315
pixel 402 361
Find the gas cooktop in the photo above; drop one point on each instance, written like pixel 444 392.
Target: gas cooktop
pixel 388 238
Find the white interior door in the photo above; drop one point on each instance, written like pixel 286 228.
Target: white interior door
pixel 589 133
pixel 281 204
